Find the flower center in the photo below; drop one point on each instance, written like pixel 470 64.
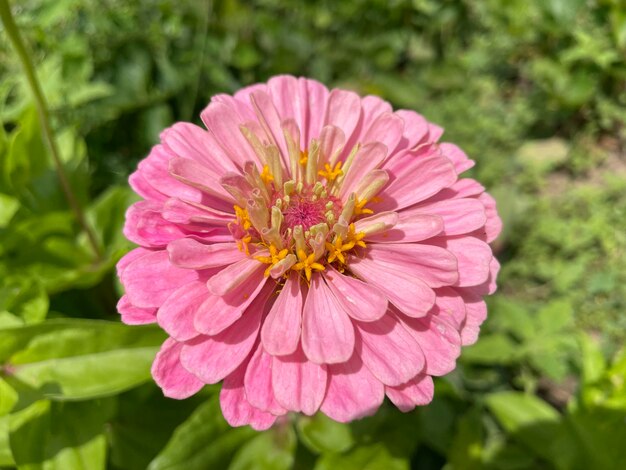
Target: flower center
pixel 299 219
pixel 308 209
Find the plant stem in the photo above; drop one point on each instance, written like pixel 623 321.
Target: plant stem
pixel 13 33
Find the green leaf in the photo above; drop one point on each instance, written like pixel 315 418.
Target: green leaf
pixel 6 457
pixel 271 450
pixel 8 397
pixel 24 297
pixel 492 349
pixel 512 317
pixel 204 441
pixel 467 444
pixel 372 457
pixel 321 434
pixel 527 418
pixel 601 433
pixel 61 436
pixel 79 359
pixel 8 207
pixel 144 422
pixel 106 216
pixel 555 316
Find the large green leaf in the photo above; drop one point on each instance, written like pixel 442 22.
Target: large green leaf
pixel 61 436
pixel 6 457
pixel 528 419
pixel 8 397
pixel 204 441
pixel 372 457
pixel 78 359
pixel 271 450
pixel 144 423
pixel 321 434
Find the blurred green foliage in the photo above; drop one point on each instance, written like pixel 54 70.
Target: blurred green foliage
pixel 533 90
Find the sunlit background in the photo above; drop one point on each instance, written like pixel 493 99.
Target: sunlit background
pixel 533 90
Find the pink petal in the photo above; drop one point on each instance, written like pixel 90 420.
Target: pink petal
pixel 411 227
pixel 129 257
pixel 141 186
pixel 223 123
pixel 435 266
pixel 456 156
pixel 177 313
pixel 493 226
pixel 415 127
pixel 476 313
pixel 361 301
pixel 258 383
pixel 367 158
pixel 170 375
pixel 463 188
pixel 473 255
pixel 189 141
pixel 191 254
pixel 418 391
pixel 327 332
pixel 132 315
pixel 389 351
pixel 489 286
pixel 459 215
pixel 353 392
pixel 450 306
pixel 434 132
pixel 211 358
pixel 317 98
pixel 299 384
pixel 414 180
pixel 439 341
pixel 373 106
pixel 218 312
pixel 270 121
pixel 405 290
pixel 234 275
pixel 386 129
pixel 236 409
pixel 280 334
pixel 200 177
pixel 146 226
pixel 374 224
pixel 343 110
pixel 332 140
pixel 239 103
pixel 155 170
pixel 151 279
pixel 284 92
pixel 184 212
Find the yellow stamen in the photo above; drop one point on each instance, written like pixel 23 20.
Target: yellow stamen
pixel 331 174
pixel 360 209
pixel 242 244
pixel 337 249
pixel 356 238
pixel 304 157
pixel 274 257
pixel 307 263
pixel 243 218
pixel 266 176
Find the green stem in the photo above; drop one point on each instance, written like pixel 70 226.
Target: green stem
pixel 44 117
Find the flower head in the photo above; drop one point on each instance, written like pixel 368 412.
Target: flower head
pixel 313 250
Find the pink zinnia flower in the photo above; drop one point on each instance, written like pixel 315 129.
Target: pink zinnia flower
pixel 314 250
